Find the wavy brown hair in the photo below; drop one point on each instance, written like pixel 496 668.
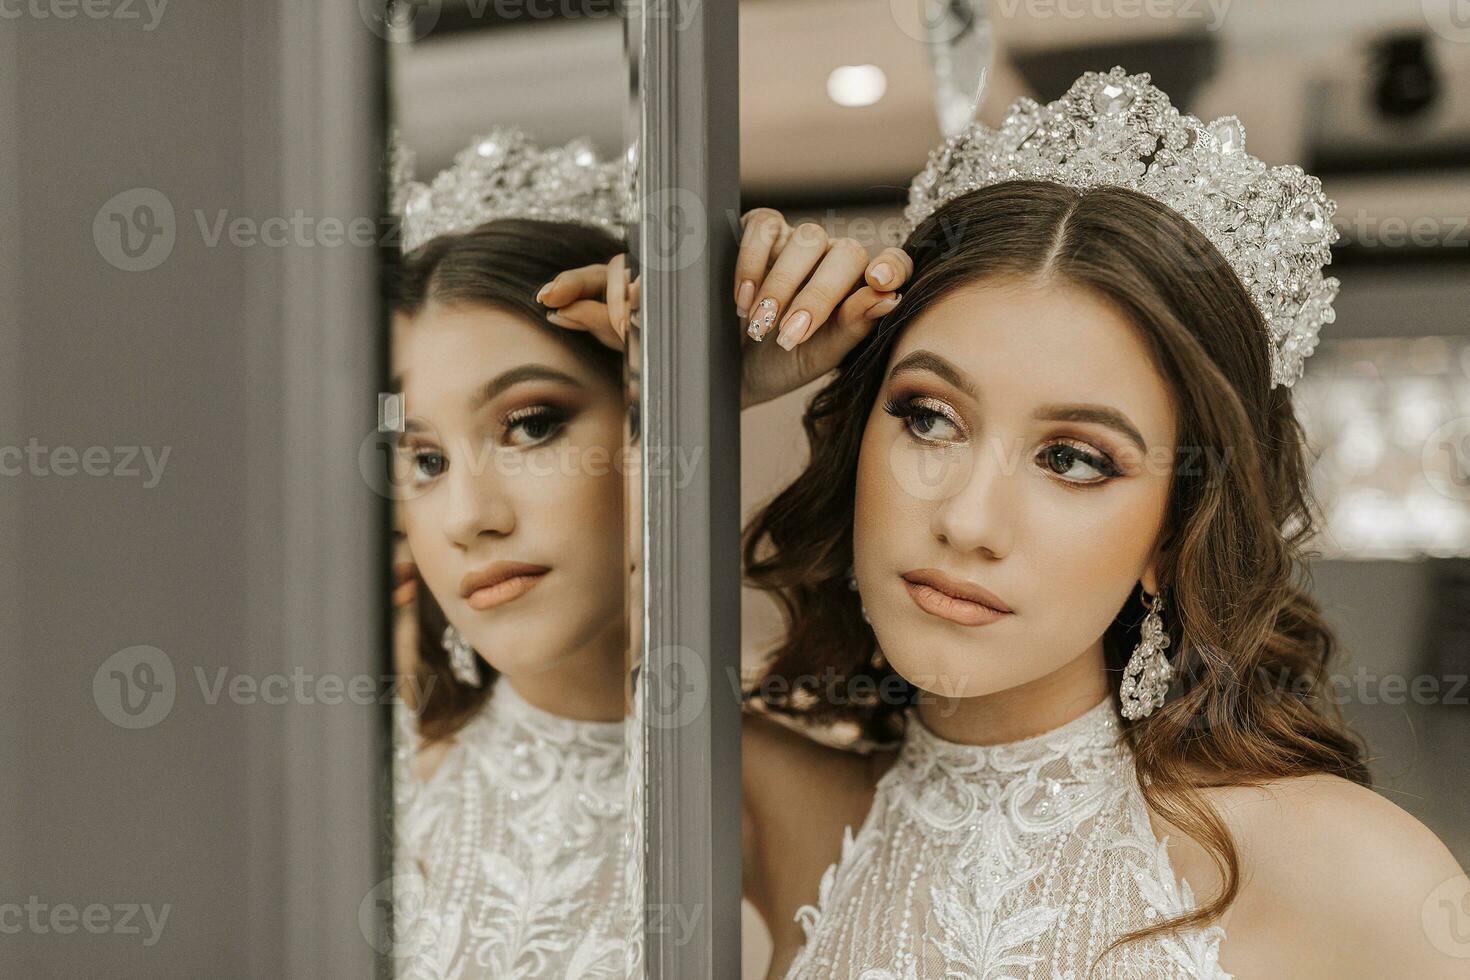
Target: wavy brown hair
pixel 500 264
pixel 1250 645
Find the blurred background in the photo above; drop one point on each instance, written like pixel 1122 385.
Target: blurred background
pixel 1374 97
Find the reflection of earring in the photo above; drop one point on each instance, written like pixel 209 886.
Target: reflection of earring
pixel 852 584
pixel 1148 673
pixel 461 657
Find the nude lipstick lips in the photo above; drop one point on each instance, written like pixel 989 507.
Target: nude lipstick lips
pixel 956 600
pixel 499 583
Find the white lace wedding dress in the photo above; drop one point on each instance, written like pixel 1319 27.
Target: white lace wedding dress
pixel 1019 861
pixel 510 858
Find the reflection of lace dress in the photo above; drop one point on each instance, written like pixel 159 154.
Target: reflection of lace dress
pixel 510 856
pixel 1019 860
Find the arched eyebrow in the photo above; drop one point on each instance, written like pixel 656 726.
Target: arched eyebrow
pixel 1104 415
pixel 519 375
pixel 486 393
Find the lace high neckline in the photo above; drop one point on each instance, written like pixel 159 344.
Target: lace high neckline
pixel 1045 776
pixel 1099 727
pixel 507 720
pixel 1019 860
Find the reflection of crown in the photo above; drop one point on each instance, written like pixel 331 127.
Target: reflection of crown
pixel 503 174
pixel 1273 225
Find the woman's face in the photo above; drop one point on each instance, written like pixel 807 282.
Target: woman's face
pixel 512 452
pixel 1021 442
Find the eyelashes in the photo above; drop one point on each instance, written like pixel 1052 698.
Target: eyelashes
pixel 524 428
pixel 548 419
pixel 908 411
pixel 921 422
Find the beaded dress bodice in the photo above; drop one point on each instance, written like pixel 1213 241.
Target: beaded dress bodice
pixel 512 851
pixel 1020 860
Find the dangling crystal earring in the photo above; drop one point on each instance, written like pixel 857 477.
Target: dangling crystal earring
pixel 852 584
pixel 1147 676
pixel 461 657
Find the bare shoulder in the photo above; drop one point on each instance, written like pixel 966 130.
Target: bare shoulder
pixel 792 781
pixel 1336 881
pixel 799 794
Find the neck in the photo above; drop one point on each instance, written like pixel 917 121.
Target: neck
pixel 1023 711
pixel 587 686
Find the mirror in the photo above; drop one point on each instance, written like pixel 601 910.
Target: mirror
pixel 509 415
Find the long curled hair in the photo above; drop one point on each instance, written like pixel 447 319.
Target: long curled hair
pixel 500 264
pixel 1250 645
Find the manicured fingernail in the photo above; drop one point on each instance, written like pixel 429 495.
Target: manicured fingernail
pixel 744 296
pixel 882 272
pixel 560 320
pixel 542 291
pixel 793 328
pixel 765 315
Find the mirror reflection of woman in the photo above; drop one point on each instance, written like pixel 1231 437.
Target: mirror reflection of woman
pixel 1062 470
pixel 511 503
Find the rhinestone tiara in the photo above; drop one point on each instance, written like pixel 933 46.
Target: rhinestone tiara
pixel 505 174
pixel 1273 225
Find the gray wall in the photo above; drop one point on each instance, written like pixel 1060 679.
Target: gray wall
pixel 255 552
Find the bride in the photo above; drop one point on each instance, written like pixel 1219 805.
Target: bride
pixel 510 827
pixel 1046 560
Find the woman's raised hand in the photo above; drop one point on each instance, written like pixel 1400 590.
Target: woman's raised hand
pixel 808 300
pixel 595 298
pixel 818 296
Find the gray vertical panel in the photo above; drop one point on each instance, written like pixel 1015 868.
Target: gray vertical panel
pixel 690 399
pixel 259 551
pixel 333 550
